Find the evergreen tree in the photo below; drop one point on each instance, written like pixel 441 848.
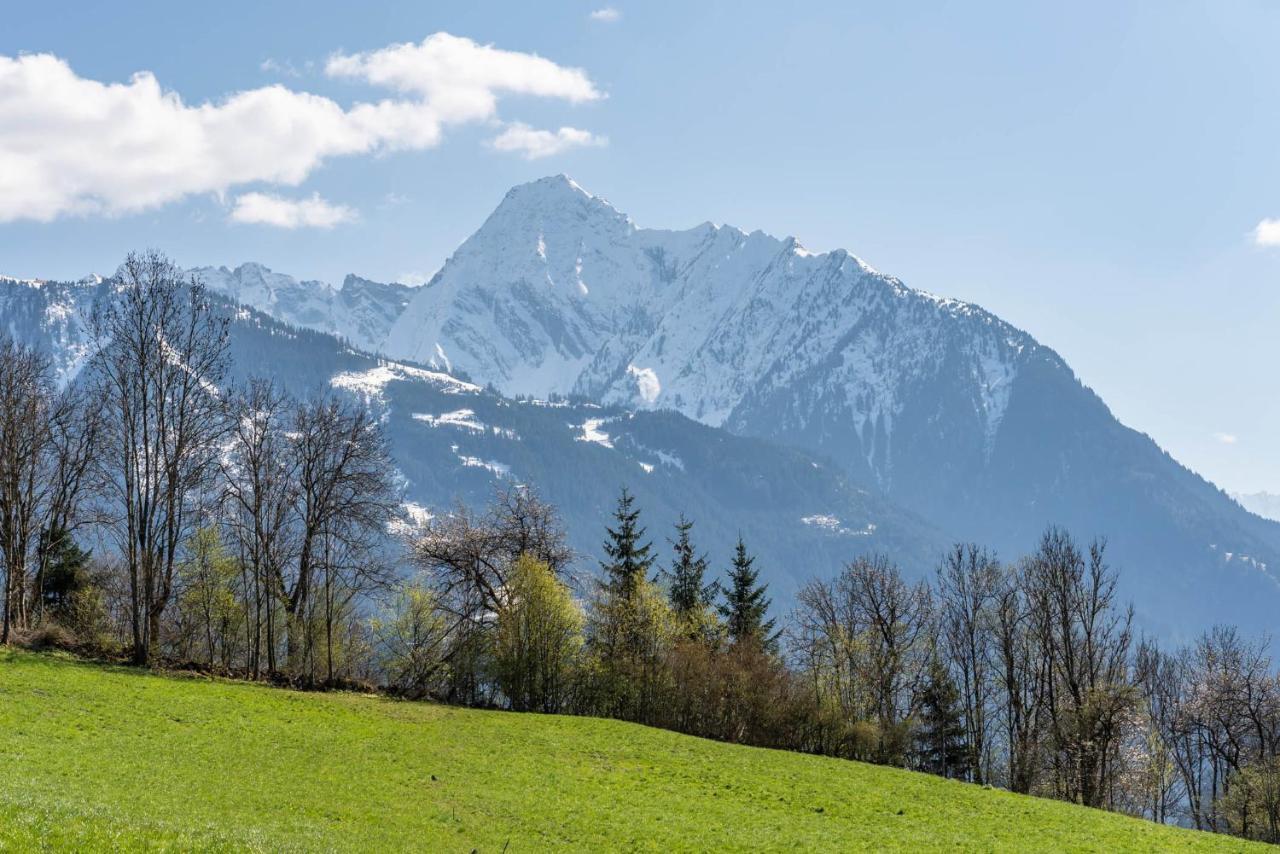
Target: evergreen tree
pixel 940 741
pixel 746 605
pixel 629 559
pixel 689 594
pixel 66 571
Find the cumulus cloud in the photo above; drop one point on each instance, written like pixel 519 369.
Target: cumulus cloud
pixel 270 209
pixel 533 144
pixel 607 15
pixel 72 145
pixel 460 80
pixel 1225 438
pixel 1267 233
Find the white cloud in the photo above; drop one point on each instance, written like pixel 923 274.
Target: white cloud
pixel 269 209
pixel 608 15
pixel 272 66
pixel 1267 233
pixel 460 80
pixel 72 145
pixel 533 144
pixel 1225 438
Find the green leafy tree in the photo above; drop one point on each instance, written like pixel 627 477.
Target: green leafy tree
pixel 746 603
pixel 630 641
pixel 629 558
pixel 208 577
pixel 411 642
pixel 538 638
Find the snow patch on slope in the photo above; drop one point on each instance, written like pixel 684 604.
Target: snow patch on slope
pixel 591 432
pixel 371 383
pixel 462 418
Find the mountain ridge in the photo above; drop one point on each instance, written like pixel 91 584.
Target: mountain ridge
pixel 951 413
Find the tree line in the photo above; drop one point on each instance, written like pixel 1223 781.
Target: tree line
pixel 241 531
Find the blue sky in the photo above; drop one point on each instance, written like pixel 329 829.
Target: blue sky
pixel 1099 174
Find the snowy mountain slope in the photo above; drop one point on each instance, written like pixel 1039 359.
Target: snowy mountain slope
pixel 53 316
pixel 558 292
pixel 453 441
pixel 954 413
pixel 360 311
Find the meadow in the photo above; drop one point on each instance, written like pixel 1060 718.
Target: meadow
pixel 95 757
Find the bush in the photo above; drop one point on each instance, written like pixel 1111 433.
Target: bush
pixel 410 642
pixel 49 636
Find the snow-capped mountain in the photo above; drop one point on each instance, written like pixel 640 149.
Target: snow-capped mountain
pixel 954 413
pixel 360 310
pixel 558 292
pixel 941 408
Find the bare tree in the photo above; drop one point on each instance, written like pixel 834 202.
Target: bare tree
pixel 469 554
pixel 869 630
pixel 345 498
pixel 259 475
pixel 74 427
pixel 25 400
pixel 46 443
pixel 967 586
pixel 467 557
pixel 1022 676
pixel 161 351
pixel 1165 693
pixel 897 619
pixel 1084 637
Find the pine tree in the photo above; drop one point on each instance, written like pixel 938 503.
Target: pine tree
pixel 66 571
pixel 689 594
pixel 746 605
pixel 629 559
pixel 940 741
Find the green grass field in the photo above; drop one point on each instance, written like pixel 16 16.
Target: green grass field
pixel 95 757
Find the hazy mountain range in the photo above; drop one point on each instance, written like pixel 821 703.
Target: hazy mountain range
pixel 1265 504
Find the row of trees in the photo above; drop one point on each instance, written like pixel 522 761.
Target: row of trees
pixel 262 517
pixel 1026 675
pixel 241 530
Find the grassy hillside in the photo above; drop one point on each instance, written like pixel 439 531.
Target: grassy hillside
pixel 94 757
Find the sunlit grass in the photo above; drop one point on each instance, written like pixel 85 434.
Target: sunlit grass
pixel 94 757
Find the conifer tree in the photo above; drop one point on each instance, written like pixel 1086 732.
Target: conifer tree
pixel 65 570
pixel 689 591
pixel 629 559
pixel 940 741
pixel 746 605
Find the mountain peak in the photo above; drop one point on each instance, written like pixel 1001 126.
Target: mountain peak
pixel 559 183
pixel 554 193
